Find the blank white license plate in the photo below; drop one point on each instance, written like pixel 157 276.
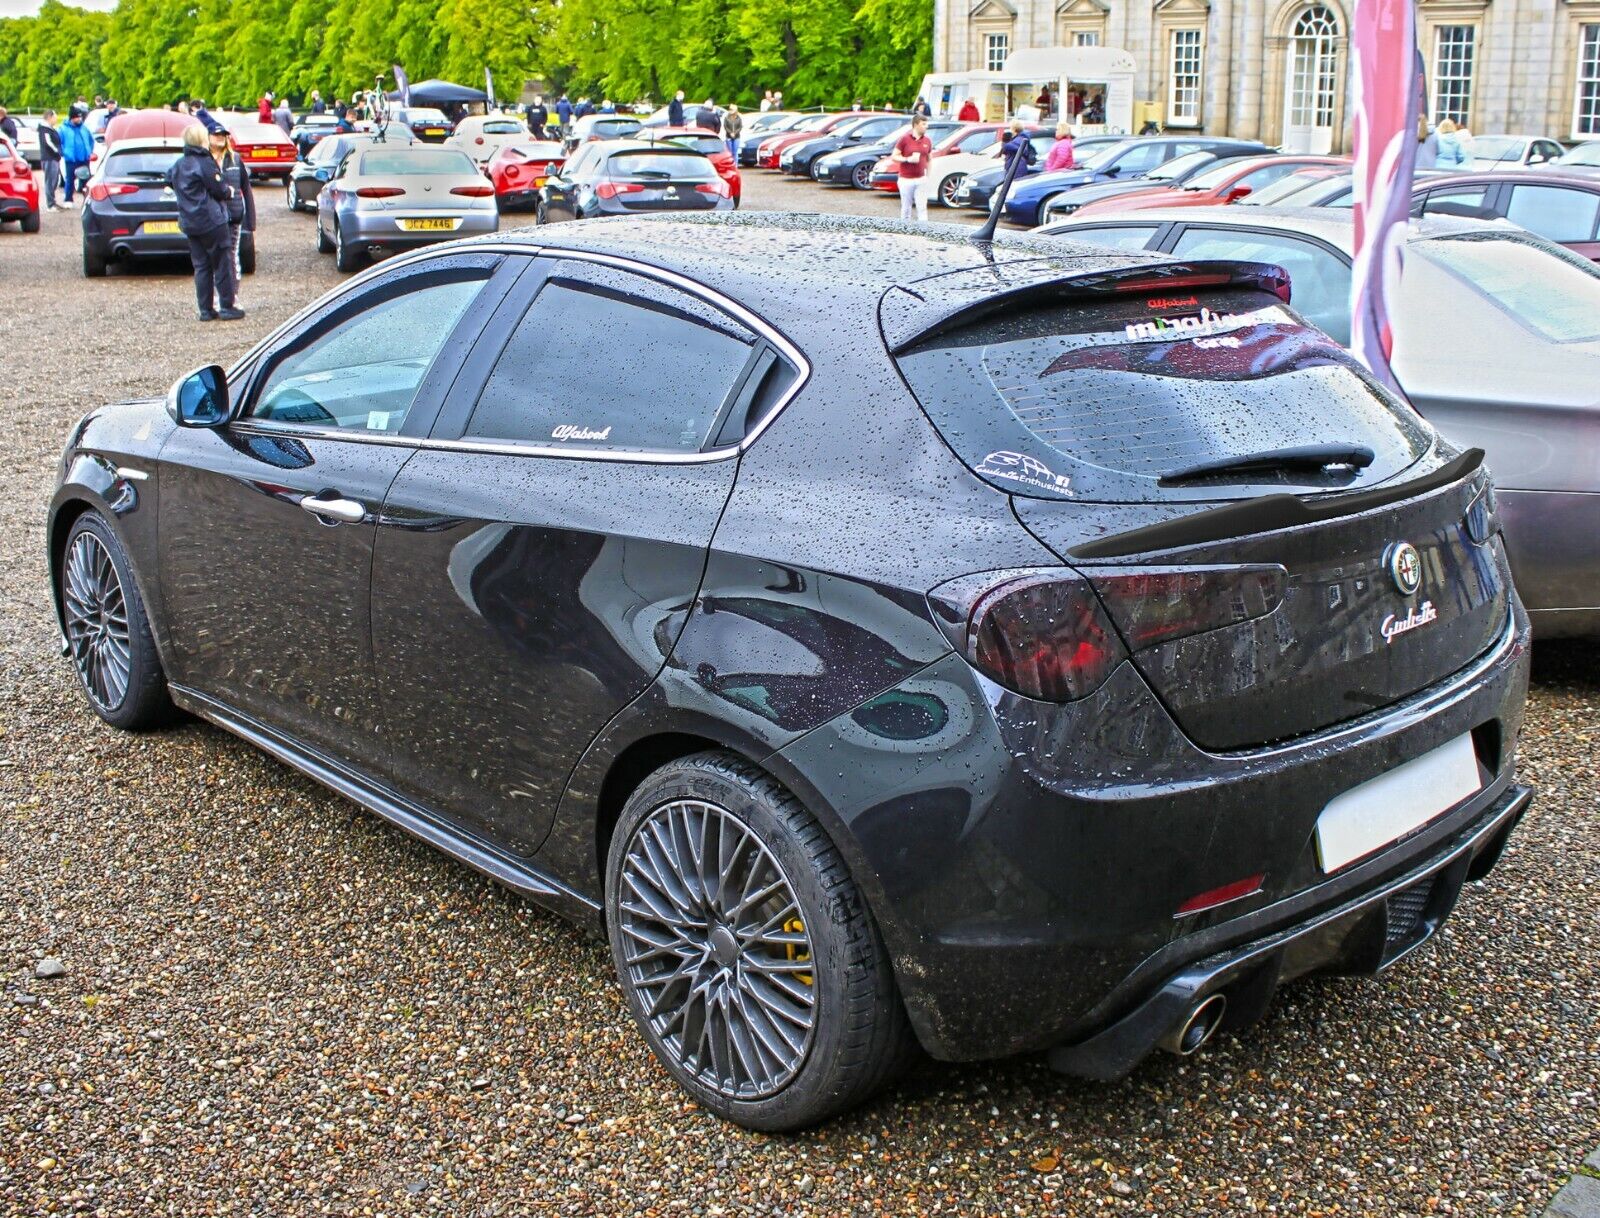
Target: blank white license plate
pixel 1386 808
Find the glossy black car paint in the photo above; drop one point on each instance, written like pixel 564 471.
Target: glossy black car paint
pixel 1023 859
pixel 870 130
pixel 573 191
pixel 852 166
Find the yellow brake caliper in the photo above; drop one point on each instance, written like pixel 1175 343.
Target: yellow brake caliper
pixel 796 926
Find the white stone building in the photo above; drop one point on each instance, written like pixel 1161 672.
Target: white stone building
pixel 1278 70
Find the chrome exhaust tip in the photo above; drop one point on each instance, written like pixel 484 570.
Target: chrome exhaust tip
pixel 1198 1027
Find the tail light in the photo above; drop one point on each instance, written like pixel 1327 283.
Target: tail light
pixel 102 191
pixel 378 192
pixel 719 188
pixel 473 192
pixel 478 139
pixel 610 190
pixel 1055 635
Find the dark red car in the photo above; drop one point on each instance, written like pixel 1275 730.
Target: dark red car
pixel 700 140
pixel 519 170
pixel 1560 207
pixel 973 137
pixel 772 147
pixel 1226 182
pixel 19 189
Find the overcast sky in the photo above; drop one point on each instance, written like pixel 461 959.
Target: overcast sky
pixel 26 8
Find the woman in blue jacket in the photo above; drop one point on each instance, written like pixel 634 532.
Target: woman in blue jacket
pixel 196 179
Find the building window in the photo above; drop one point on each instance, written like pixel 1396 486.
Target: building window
pixel 1587 119
pixel 995 49
pixel 1454 55
pixel 1183 80
pixel 1086 38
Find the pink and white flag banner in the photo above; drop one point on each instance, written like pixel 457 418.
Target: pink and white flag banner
pixel 1386 82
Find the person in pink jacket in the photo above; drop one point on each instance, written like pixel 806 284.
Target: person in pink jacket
pixel 1061 156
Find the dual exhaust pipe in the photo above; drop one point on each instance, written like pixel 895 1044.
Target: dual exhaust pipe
pixel 1200 1024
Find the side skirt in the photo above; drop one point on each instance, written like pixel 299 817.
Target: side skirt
pixel 504 868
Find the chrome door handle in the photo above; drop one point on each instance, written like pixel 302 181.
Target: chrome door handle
pixel 347 510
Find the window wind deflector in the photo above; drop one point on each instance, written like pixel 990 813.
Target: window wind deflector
pixel 1308 456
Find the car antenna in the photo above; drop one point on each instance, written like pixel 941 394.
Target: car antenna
pixel 985 234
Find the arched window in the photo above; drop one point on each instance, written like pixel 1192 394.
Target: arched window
pixel 1314 68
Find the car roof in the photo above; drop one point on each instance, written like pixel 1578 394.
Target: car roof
pixel 433 150
pixel 1531 177
pixel 1336 226
pixel 147 143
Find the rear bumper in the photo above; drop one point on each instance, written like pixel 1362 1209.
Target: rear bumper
pixel 1360 937
pixel 100 234
pixel 380 228
pixel 518 198
pixel 12 207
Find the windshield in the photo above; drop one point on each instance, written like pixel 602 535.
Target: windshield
pixel 538 151
pixel 1583 154
pixel 438 163
pixel 1096 399
pixel 1496 148
pixel 148 164
pixel 662 164
pixel 1283 188
pixel 1101 155
pixel 613 126
pixel 812 123
pixel 1536 285
pixel 1212 178
pixel 1179 165
pixel 329 151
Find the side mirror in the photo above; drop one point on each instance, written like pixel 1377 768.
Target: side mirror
pixel 200 399
pixel 1112 171
pixel 1237 193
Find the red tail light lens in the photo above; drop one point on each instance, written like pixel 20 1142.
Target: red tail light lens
pixel 101 191
pixel 378 192
pixel 610 190
pixel 473 192
pixel 719 188
pixel 1154 605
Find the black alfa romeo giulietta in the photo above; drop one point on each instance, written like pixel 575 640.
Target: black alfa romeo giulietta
pixel 900 642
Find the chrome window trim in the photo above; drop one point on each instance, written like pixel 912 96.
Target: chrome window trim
pixel 756 324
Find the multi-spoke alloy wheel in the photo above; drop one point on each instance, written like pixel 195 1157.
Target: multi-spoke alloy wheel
pixel 747 954
pixel 96 618
pixel 718 949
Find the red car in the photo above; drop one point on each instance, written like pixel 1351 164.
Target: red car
pixel 19 189
pixel 519 170
pixel 715 150
pixel 1227 182
pixel 972 137
pixel 263 148
pixel 818 124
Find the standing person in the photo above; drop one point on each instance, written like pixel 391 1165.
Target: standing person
pixel 202 197
pixel 1427 145
pixel 912 152
pixel 8 127
pixel 77 146
pixel 766 101
pixel 675 110
pixel 182 107
pixel 583 109
pixel 777 100
pixel 340 110
pixel 969 112
pixel 563 114
pixel 732 127
pixel 241 209
pixel 538 115
pixel 50 159
pixel 607 106
pixel 318 106
pixel 706 116
pixel 197 107
pixel 264 108
pixel 1061 155
pixel 1018 145
pixel 1451 154
pixel 284 116
pixel 920 106
pixel 1044 101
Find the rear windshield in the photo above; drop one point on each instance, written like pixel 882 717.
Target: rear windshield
pixel 697 143
pixel 662 164
pixel 614 126
pixel 152 164
pixel 403 161
pixel 503 126
pixel 1096 400
pixel 1552 292
pixel 426 116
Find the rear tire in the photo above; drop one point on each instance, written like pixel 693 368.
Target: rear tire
pixel 540 214
pixel 344 257
pixel 108 631
pixel 795 995
pixel 30 222
pixel 290 195
pixel 324 246
pixel 94 265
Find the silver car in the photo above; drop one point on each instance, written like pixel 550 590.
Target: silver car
pixel 388 198
pixel 1497 343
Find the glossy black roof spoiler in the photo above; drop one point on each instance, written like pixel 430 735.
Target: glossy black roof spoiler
pixel 1268 513
pixel 928 307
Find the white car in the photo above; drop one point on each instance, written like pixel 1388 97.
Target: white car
pixel 480 136
pixel 947 173
pixel 1511 151
pixel 28 139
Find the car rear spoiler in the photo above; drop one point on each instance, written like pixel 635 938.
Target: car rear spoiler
pixel 934 306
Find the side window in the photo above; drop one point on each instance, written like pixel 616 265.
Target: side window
pixel 1266 175
pixel 610 360
pixel 362 371
pixel 1554 212
pixel 977 141
pixel 1141 159
pixel 1120 237
pixel 1456 201
pixel 880 128
pixel 1319 282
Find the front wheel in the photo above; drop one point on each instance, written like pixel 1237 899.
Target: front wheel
pixel 108 632
pixel 948 188
pixel 861 176
pixel 747 955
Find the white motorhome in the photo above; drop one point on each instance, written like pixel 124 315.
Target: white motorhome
pixel 1091 87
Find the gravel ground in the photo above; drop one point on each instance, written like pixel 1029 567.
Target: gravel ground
pixel 273 1003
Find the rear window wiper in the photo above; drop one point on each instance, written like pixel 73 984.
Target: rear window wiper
pixel 1305 456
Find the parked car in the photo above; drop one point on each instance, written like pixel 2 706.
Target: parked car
pixel 480 136
pixel 312 129
pixel 519 170
pixel 1584 156
pixel 948 175
pixel 308 177
pixel 757 127
pixel 1309 187
pixel 977 726
pixel 593 127
pixel 852 165
pixel 1125 161
pixel 626 177
pixel 428 124
pixel 383 197
pixel 968 138
pixel 712 147
pixel 1229 181
pixel 978 192
pixel 27 142
pixel 1510 363
pixel 770 150
pixel 1561 207
pixel 19 189
pixel 130 213
pixel 1508 151
pixel 868 129
pixel 1171 174
pixel 263 148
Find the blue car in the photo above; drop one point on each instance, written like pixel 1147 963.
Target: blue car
pixel 1128 158
pixel 979 188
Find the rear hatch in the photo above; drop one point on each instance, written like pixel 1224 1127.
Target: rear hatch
pixel 136 181
pixel 661 179
pixel 1111 416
